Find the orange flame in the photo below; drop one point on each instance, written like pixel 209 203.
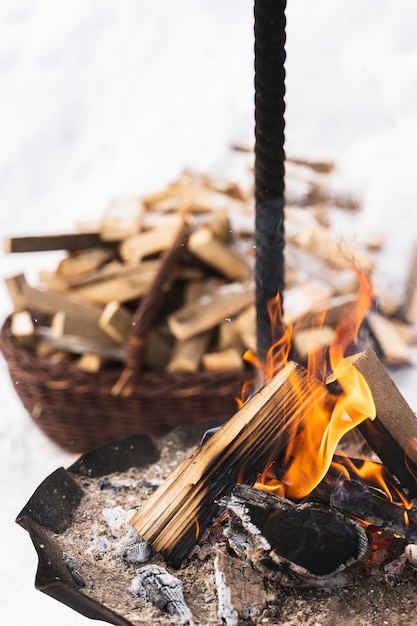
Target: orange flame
pixel 313 441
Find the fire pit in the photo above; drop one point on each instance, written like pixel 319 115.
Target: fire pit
pixel 272 561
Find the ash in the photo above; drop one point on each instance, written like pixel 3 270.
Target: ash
pixel 100 537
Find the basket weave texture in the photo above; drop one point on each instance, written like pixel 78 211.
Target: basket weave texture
pixel 78 411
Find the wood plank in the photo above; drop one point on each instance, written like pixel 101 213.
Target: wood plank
pixel 241 447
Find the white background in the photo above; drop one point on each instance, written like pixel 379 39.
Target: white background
pixel 105 98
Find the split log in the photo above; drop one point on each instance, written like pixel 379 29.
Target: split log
pixel 394 349
pixel 130 283
pixel 81 345
pixel 146 243
pixel 23 328
pixel 409 307
pixel 122 218
pixel 63 325
pixel 223 360
pixel 84 261
pixel 187 354
pixel 319 240
pixel 301 545
pixel 47 243
pixel 208 311
pixel 116 322
pixel 393 433
pixel 50 301
pixel 219 255
pixel 241 447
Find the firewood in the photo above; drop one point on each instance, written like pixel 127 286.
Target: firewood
pixel 116 322
pixel 310 340
pixel 409 307
pixel 187 354
pixel 241 590
pixel 323 167
pixel 299 545
pixel 140 245
pixel 64 324
pixel 50 301
pixel 84 261
pixel 368 504
pixel 220 226
pixel 81 345
pixel 46 243
pixel 216 254
pixel 208 311
pixel 122 218
pixel 394 349
pixel 14 286
pixel 229 337
pixel 243 445
pixel 223 361
pixel 393 433
pixel 246 327
pixel 304 298
pixel 158 349
pixel 89 363
pixel 320 241
pixel 23 328
pixel 130 283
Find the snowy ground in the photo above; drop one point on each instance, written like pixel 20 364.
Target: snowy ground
pixel 103 98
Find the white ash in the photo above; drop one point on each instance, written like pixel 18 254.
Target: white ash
pixel 138 552
pixel 163 590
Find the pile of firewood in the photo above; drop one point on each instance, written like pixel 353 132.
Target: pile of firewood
pixel 83 309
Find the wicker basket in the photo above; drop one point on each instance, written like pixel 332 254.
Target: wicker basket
pixel 79 411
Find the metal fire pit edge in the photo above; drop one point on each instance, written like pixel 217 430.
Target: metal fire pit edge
pixel 51 508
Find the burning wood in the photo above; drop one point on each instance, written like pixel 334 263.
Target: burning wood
pixel 185 505
pixel 306 545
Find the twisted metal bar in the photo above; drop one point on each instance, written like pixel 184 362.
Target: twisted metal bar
pixel 270 39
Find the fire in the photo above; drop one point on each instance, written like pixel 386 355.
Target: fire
pixel 312 441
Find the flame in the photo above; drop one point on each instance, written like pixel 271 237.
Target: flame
pixel 313 440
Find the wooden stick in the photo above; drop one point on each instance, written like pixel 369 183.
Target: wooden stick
pixel 187 498
pixel 45 243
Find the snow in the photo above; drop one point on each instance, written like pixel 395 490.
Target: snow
pixel 103 98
